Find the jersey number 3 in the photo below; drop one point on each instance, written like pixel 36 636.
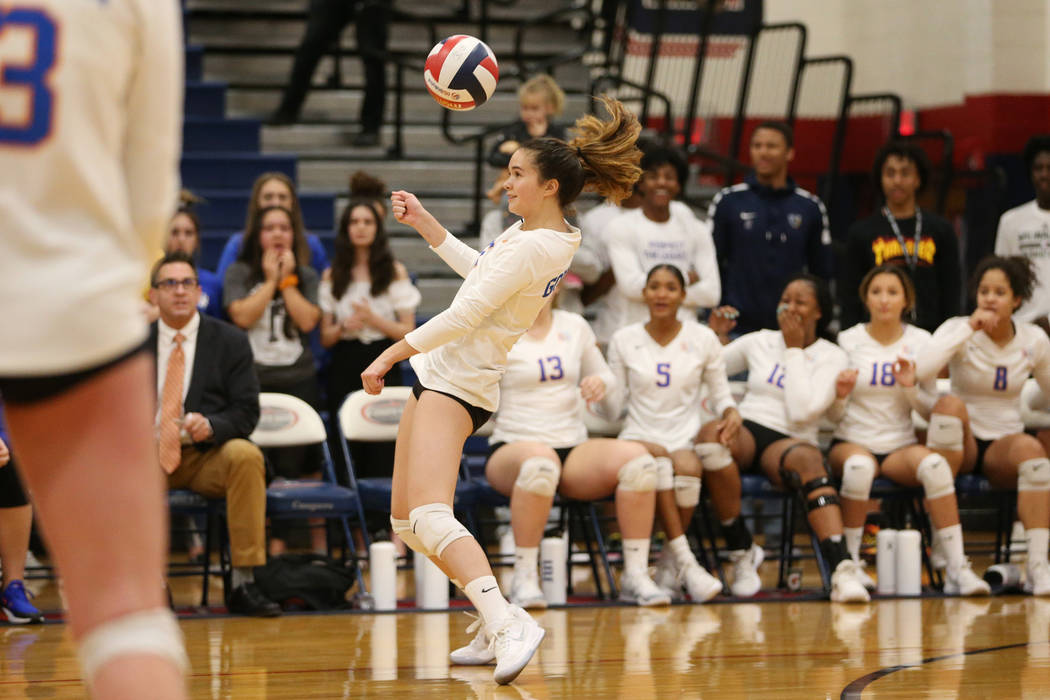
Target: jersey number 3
pixel 28 46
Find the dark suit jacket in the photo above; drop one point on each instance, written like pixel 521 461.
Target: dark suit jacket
pixel 223 386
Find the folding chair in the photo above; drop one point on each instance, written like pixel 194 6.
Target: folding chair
pixel 287 421
pixel 367 418
pixel 192 504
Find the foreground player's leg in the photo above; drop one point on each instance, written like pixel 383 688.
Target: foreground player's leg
pixel 111 559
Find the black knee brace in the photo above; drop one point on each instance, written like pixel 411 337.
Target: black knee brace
pixel 793 481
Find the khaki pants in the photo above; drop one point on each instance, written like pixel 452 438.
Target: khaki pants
pixel 234 471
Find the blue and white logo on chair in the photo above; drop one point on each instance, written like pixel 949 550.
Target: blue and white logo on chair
pixel 274 418
pixel 383 411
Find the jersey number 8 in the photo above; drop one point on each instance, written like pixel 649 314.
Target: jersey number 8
pixel 25 73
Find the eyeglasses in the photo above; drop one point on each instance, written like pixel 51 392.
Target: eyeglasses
pixel 170 285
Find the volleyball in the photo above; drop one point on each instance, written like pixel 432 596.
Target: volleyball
pixel 461 72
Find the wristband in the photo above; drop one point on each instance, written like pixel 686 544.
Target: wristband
pixel 289 281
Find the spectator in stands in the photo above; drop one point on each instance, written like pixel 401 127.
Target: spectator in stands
pixel 273 190
pixel 273 297
pixel 660 231
pixel 767 229
pixel 901 233
pixel 325 22
pixel 1025 230
pixel 209 401
pixel 367 302
pixel 16 524
pixel 540 100
pixel 990 356
pixel 539 445
pixel 791 376
pixel 366 186
pixel 661 366
pixel 184 235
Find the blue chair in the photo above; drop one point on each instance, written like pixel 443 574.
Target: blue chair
pixel 287 421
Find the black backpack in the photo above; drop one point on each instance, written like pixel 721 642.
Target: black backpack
pixel 306 581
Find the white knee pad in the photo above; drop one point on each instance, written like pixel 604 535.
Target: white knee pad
pixel 664 474
pixel 1034 475
pixel 935 476
pixel 713 455
pixel 154 632
pixel 539 475
pixel 403 529
pixel 945 432
pixel 686 491
pixel 639 474
pixel 436 527
pixel 858 471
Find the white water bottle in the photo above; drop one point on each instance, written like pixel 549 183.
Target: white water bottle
pixel 553 579
pixel 909 562
pixel 886 561
pixel 382 568
pixel 431 584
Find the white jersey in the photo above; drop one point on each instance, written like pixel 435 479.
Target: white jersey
pixel 637 244
pixel 1025 230
pixel 463 350
pixel 90 129
pixel 986 376
pixel 662 384
pixel 539 395
pixel 788 389
pixel 878 412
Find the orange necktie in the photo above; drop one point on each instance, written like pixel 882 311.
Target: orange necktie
pixel 171 408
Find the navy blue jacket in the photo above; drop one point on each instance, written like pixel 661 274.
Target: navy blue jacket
pixel 763 236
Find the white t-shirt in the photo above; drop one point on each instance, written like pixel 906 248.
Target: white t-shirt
pixel 1025 230
pixel 90 132
pixel 539 395
pixel 662 384
pixel 463 350
pixel 878 412
pixel 401 295
pixel 637 244
pixel 788 389
pixel 987 377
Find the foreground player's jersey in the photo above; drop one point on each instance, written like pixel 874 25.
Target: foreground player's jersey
pixel 90 129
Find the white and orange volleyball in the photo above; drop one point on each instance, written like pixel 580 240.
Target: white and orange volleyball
pixel 461 72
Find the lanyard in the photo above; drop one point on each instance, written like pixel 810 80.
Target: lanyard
pixel 911 260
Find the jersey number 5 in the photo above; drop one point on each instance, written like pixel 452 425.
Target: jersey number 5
pixel 28 44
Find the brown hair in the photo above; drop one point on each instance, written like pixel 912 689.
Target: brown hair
pixel 380 257
pixel 899 273
pixel 602 157
pixel 296 211
pixel 251 248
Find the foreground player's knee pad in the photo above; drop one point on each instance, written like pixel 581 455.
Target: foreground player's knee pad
pixel 686 490
pixel 664 473
pixel 437 527
pixel 1034 475
pixel 945 432
pixel 713 455
pixel 539 475
pixel 154 632
pixel 403 529
pixel 642 474
pixel 935 476
pixel 858 472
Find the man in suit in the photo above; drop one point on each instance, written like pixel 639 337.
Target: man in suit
pixel 208 405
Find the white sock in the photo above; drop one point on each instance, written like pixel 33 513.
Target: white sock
pixel 635 555
pixel 683 556
pixel 241 575
pixel 1037 543
pixel 484 593
pixel 526 559
pixel 853 536
pixel 951 538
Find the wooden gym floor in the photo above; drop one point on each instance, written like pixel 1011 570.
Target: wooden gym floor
pixel 929 648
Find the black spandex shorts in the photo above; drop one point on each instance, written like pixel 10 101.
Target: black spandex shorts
pixel 12 495
pixel 764 437
pixel 982 448
pixel 878 457
pixel 32 389
pixel 562 452
pixel 478 416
